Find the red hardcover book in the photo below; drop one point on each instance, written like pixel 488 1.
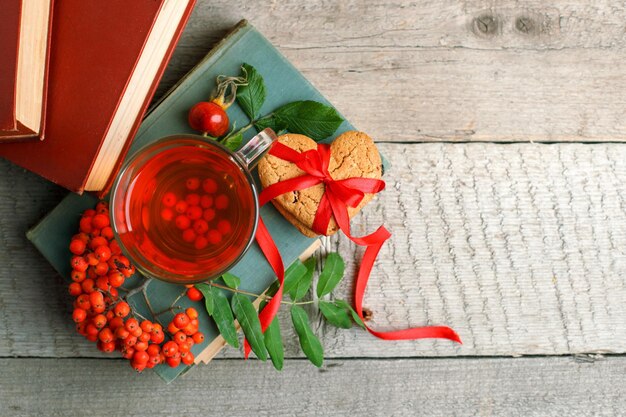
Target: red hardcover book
pixel 24 44
pixel 106 61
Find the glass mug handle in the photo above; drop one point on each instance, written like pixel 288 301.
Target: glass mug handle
pixel 251 152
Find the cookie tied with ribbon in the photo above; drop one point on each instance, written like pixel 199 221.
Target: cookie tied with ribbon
pixel 352 155
pixel 319 188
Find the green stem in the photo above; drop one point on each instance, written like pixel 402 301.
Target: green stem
pixel 262 296
pixel 246 127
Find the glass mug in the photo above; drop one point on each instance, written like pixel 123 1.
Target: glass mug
pixel 185 208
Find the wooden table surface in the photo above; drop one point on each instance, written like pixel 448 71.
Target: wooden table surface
pixel 507 202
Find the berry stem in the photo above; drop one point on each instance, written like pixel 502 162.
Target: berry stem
pixel 138 289
pixel 245 128
pixel 264 297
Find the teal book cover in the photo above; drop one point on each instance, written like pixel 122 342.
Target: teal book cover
pixel 169 116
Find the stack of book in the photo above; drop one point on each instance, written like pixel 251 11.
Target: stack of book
pixel 76 79
pixel 104 66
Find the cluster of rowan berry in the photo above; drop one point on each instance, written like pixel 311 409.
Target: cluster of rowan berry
pixel 102 316
pixel 195 214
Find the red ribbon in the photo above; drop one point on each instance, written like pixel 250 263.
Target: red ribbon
pixel 338 196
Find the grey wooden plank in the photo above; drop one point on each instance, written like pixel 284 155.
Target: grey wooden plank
pixel 441 387
pixel 518 247
pixel 435 70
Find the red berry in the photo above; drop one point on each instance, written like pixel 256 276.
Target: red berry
pixel 194 212
pixel 192 313
pixel 131 324
pixel 79 263
pixel 180 337
pixel 172 328
pixel 208 214
pixel 140 357
pixel 99 321
pixel 121 332
pixel 100 221
pixel 194 294
pixel 200 243
pixel 88 285
pixel 141 346
pixel 79 315
pixel 169 199
pixel 221 201
pixel 193 199
pixel 103 253
pixel 181 320
pixel 198 337
pixel 146 326
pixel 139 367
pixel 167 214
pixel 78 276
pixel 208 118
pixel 214 237
pixel 98 241
pixel 183 222
pixel 189 235
pixel 107 347
pixel 107 233
pixel 116 279
pixel 181 207
pixel 96 297
pixel 85 225
pixel 187 358
pixel 209 185
pixel 102 268
pixel 224 227
pixel 102 207
pixel 153 350
pixel 105 335
pixel 173 362
pixel 75 289
pixel 200 226
pixel 170 349
pixel 157 336
pixel 121 309
pixel 102 283
pixel 92 259
pixel 89 213
pixel 206 201
pixel 77 246
pixel 192 183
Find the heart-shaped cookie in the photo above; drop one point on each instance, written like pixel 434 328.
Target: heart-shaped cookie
pixel 353 154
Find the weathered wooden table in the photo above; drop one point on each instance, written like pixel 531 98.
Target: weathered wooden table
pixel 507 201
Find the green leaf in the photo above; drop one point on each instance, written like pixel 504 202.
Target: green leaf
pixel 249 321
pixel 302 285
pixel 310 118
pixel 271 122
pixel 251 96
pixel 335 315
pixel 233 142
pixel 293 274
pixel 331 274
pixel 348 307
pixel 207 292
pixel 231 280
pixel 223 317
pixel 272 289
pixel 274 344
pixel 309 343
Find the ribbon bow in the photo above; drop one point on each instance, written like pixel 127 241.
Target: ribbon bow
pixel 337 197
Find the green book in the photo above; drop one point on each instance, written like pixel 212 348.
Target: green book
pixel 284 84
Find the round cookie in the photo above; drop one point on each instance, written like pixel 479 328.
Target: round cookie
pixel 353 154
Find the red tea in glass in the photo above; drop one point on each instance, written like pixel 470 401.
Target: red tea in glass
pixel 185 208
